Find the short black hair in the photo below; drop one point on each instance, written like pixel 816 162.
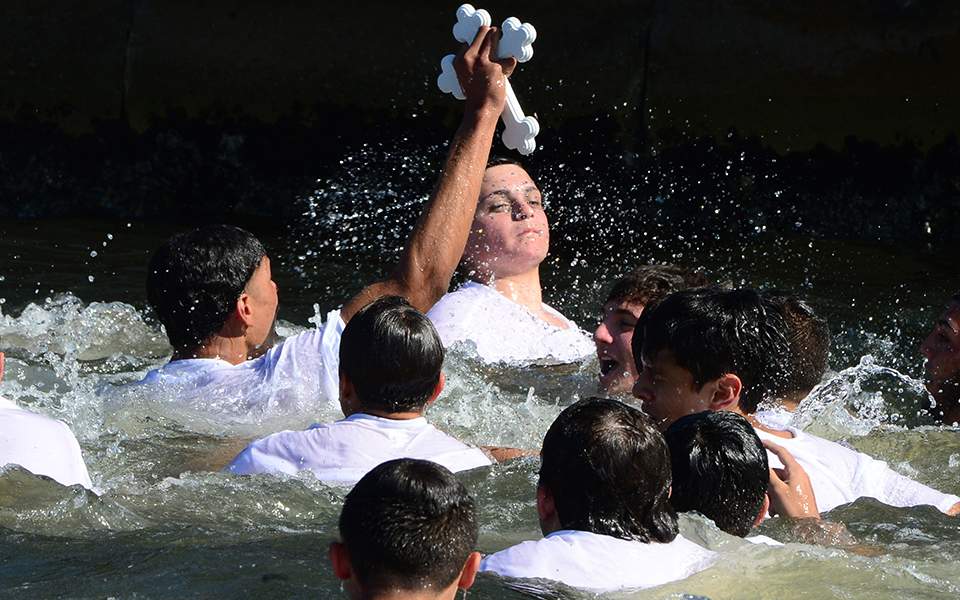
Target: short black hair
pixel 408 524
pixel 392 354
pixel 648 284
pixel 719 469
pixel 608 470
pixel 808 338
pixel 711 332
pixel 195 278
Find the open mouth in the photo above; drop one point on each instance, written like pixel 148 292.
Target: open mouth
pixel 607 366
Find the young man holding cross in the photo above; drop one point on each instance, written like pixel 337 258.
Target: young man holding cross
pixel 213 291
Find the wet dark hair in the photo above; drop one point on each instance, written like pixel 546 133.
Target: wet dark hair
pixel 719 469
pixel 608 470
pixel 195 278
pixel 392 355
pixel 712 332
pixel 648 284
pixel 408 524
pixel 808 337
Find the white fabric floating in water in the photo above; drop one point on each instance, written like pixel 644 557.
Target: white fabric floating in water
pixel 504 331
pixel 840 475
pixel 600 562
pixel 41 445
pixel 344 451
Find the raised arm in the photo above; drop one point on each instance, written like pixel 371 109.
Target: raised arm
pixel 440 235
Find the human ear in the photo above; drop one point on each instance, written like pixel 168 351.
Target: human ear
pixel 546 507
pixel 726 393
pixel 340 559
pixel 441 382
pixel 469 572
pixel 244 309
pixel 347 395
pixel 764 509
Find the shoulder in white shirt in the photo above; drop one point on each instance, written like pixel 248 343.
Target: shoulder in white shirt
pixel 301 374
pixel 600 562
pixel 344 451
pixel 503 331
pixel 840 475
pixel 41 445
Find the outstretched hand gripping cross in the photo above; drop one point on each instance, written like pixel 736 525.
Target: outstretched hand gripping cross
pixel 517 39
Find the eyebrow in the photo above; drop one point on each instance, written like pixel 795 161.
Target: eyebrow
pixel 503 192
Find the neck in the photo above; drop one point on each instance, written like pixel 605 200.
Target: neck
pixel 448 594
pixel 231 349
pixel 393 416
pixel 522 288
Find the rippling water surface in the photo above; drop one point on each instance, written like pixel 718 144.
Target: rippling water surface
pixel 74 325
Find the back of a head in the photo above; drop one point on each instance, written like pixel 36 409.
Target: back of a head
pixel 649 284
pixel 392 355
pixel 719 469
pixel 712 332
pixel 808 337
pixel 408 525
pixel 608 470
pixel 195 278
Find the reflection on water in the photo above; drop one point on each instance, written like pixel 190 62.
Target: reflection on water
pixel 166 526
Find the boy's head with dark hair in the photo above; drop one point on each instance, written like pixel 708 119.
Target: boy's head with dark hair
pixel 606 470
pixel 808 338
pixel 390 359
pixel 719 469
pixel 210 280
pixel 709 349
pixel 407 526
pixel 630 295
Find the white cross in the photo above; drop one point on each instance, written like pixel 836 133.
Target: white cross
pixel 519 131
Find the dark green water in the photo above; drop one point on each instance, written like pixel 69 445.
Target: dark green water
pixel 166 527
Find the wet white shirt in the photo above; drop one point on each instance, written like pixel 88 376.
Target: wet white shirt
pixel 344 451
pixel 298 375
pixel 600 562
pixel 840 475
pixel 41 445
pixel 504 331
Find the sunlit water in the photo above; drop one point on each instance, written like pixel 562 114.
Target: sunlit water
pixel 75 327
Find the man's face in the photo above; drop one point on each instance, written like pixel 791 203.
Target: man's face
pixel 941 348
pixel 510 234
pixel 613 337
pixel 668 391
pixel 263 300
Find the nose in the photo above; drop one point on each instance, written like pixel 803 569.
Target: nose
pixel 522 210
pixel 602 334
pixel 642 389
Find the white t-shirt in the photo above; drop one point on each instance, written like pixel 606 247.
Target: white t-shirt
pixel 840 475
pixel 600 562
pixel 41 445
pixel 344 451
pixel 301 373
pixel 504 331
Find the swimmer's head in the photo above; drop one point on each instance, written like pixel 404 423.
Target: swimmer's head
pixel 209 281
pixel 390 359
pixel 407 526
pixel 941 348
pixel 709 349
pixel 644 286
pixel 510 234
pixel 808 337
pixel 605 469
pixel 719 469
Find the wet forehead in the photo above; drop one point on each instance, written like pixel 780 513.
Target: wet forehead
pixel 506 178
